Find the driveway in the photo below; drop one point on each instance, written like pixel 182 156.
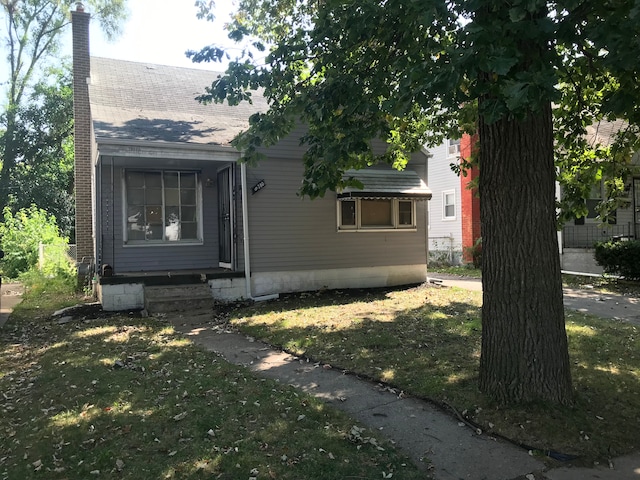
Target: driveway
pixel 585 300
pixel 11 294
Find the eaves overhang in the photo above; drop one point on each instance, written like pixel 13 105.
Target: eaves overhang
pixel 385 184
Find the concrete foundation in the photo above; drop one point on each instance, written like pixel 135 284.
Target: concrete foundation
pixel 125 296
pixel 308 280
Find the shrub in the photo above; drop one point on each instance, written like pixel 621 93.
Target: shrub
pixel 474 253
pixel 619 257
pixel 20 237
pixel 37 283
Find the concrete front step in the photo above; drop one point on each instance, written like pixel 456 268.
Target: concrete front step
pixel 177 298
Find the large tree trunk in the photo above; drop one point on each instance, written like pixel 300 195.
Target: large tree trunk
pixel 524 343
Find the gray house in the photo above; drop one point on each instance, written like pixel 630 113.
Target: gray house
pixel 579 236
pixel 162 199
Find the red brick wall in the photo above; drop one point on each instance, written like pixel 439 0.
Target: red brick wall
pixel 82 136
pixel 470 202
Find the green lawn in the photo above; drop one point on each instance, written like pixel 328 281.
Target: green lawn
pixel 126 397
pixel 605 284
pixel 463 271
pixel 426 342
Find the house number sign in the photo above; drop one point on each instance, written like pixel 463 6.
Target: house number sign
pixel 257 187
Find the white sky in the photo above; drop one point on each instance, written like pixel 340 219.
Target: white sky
pixel 160 31
pixel 156 31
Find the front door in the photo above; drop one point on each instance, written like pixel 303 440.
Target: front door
pixel 225 217
pixel 636 206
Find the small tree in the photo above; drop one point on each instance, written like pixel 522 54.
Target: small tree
pixel 20 238
pixel 33 30
pixel 43 173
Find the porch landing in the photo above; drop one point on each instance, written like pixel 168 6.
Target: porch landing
pixel 150 290
pixel 166 277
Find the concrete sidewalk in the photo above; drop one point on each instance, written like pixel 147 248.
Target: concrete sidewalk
pixel 10 296
pixel 606 305
pixel 437 441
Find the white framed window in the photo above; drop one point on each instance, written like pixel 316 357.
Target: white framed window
pixel 449 205
pixel 453 147
pixel 162 207
pixel 595 198
pixel 376 214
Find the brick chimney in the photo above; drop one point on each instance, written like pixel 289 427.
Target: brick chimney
pixel 82 141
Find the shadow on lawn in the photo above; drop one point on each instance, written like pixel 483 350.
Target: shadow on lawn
pixel 388 341
pixel 128 398
pixel 432 351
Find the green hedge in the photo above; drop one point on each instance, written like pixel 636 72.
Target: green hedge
pixel 620 258
pixel 20 237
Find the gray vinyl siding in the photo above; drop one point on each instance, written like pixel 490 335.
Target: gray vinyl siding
pixel 443 234
pixel 126 259
pixel 585 236
pixel 290 233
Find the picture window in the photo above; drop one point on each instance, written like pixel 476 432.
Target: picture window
pixel 371 214
pixel 162 206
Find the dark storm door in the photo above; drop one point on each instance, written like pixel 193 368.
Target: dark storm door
pixel 225 217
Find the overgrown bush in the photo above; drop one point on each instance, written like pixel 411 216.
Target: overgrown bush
pixel 20 237
pixel 620 258
pixel 474 253
pixel 37 284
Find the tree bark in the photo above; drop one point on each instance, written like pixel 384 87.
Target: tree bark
pixel 524 344
pixel 8 158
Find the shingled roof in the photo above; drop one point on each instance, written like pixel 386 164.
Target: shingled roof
pixel 147 102
pixel 604 132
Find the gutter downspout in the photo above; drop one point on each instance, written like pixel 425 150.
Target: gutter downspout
pixel 245 235
pixel 99 214
pixel 427 209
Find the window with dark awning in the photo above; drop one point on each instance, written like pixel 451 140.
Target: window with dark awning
pixel 386 184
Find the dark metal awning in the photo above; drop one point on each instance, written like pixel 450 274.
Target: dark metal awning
pixel 386 184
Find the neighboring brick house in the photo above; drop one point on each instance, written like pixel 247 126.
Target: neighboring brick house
pixel 163 200
pixel 454 211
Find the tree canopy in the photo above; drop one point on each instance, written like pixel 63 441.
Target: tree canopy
pixel 44 144
pixel 528 76
pixel 413 73
pixel 32 35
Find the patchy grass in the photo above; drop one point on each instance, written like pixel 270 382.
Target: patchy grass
pixel 463 271
pixel 426 341
pixel 601 283
pixel 127 397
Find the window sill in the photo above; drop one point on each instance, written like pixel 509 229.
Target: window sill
pixel 194 243
pixel 376 230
